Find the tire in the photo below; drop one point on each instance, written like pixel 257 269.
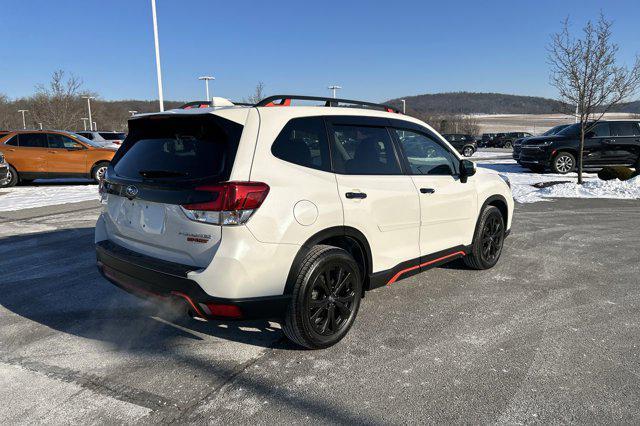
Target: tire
pixel 487 241
pixel 468 151
pixel 508 145
pixel 563 163
pixel 97 173
pixel 11 180
pixel 308 321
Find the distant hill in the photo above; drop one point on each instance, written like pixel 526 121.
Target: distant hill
pixel 490 103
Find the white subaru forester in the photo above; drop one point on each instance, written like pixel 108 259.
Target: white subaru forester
pixel 290 213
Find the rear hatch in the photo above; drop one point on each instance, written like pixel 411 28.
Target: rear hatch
pixel 163 164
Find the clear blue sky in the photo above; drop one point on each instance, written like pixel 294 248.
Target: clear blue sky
pixel 375 50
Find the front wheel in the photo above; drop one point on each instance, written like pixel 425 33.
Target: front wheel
pixel 563 163
pixel 468 151
pixel 488 240
pixel 508 145
pixel 325 299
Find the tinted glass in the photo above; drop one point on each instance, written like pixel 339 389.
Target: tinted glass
pixel 33 140
pixel 112 136
pixel 60 141
pixel 303 141
pixel 360 150
pixel 12 141
pixel 179 148
pixel 426 156
pixel 624 128
pixel 600 130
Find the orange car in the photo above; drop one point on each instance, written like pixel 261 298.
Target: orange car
pixel 33 154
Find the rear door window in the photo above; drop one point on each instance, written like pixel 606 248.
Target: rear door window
pixel 363 150
pixel 303 141
pixel 32 140
pixel 601 130
pixel 184 148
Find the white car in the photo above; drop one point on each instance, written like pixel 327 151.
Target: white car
pixel 291 213
pixel 106 139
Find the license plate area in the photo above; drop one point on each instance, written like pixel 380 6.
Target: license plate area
pixel 141 216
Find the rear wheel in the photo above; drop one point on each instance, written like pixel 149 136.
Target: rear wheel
pixel 98 171
pixel 508 145
pixel 563 163
pixel 468 151
pixel 11 180
pixel 488 240
pixel 325 298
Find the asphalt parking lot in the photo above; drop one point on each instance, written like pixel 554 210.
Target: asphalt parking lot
pixel 551 334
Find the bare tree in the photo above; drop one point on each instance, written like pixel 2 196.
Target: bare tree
pixel 585 73
pixel 257 95
pixel 58 105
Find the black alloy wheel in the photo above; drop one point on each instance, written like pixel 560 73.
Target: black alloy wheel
pixel 492 238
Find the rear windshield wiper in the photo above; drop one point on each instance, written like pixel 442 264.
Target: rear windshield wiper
pixel 161 173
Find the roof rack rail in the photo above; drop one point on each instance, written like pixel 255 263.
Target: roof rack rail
pixel 207 104
pixel 285 100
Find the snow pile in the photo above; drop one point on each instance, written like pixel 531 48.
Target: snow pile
pixel 522 181
pixel 24 197
pixel 628 189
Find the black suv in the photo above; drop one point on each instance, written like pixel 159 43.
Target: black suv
pixel 607 143
pixel 486 139
pixel 464 144
pixel 506 140
pixel 517 145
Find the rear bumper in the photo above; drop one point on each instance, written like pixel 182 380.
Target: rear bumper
pixel 156 279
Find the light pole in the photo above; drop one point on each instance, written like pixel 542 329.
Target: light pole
pixel 157 46
pixel 84 122
pixel 40 124
pixel 206 79
pixel 95 126
pixel 133 113
pixel 333 88
pixel 404 106
pixel 88 98
pixel 24 123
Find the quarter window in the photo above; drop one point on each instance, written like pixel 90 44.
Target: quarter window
pixel 363 150
pixel 303 141
pixel 426 156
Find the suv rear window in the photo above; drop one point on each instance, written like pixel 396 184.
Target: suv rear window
pixel 183 148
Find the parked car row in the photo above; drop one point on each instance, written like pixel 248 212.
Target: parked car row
pixel 34 154
pixel 464 144
pixel 501 140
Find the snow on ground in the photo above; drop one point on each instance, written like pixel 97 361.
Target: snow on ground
pixel 522 180
pixel 47 193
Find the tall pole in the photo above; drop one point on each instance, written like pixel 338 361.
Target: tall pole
pixel 40 124
pixel 24 123
pixel 157 45
pixel 95 126
pixel 88 98
pixel 577 112
pixel 206 79
pixel 84 122
pixel 333 88
pixel 404 106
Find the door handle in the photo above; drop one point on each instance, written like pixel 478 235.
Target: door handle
pixel 357 195
pixel 427 190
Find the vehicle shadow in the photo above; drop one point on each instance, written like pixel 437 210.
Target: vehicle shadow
pixel 59 182
pixel 59 286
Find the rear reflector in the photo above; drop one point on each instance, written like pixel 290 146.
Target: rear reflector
pixel 221 310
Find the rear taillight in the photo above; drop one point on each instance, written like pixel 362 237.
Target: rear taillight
pixel 232 203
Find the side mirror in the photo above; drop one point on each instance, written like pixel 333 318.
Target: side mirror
pixel 467 168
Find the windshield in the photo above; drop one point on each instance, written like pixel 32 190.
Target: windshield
pixel 87 141
pixel 554 130
pixel 571 130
